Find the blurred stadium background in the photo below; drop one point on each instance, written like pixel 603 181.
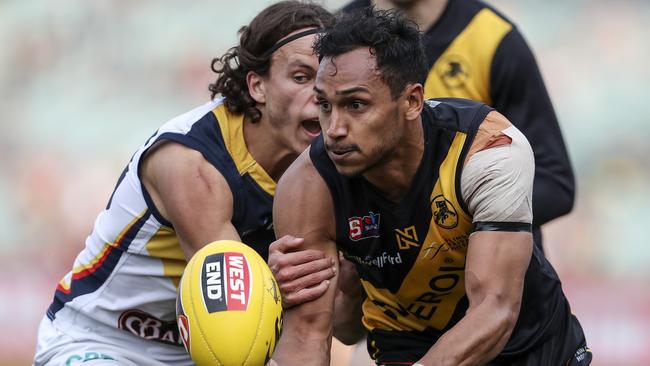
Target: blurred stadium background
pixel 83 83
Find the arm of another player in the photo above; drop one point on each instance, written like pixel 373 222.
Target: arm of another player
pixel 518 91
pixel 302 276
pixel 303 207
pixel 497 187
pixel 190 193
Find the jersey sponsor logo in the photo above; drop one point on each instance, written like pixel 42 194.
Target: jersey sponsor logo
pixel 453 70
pixel 441 286
pixel 364 227
pixel 444 213
pixel 431 251
pixel 455 243
pixel 436 301
pixel 226 282
pixel 85 357
pixel 149 327
pixel 407 238
pixel 378 261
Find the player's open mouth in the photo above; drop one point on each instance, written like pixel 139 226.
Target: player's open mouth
pixel 311 127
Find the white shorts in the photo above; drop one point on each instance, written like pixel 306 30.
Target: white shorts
pixel 55 348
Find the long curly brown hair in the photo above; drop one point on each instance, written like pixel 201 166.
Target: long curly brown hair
pixel 267 28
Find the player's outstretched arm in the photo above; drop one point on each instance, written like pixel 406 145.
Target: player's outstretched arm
pixel 303 208
pixel 190 193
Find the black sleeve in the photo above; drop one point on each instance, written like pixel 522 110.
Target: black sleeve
pixel 518 92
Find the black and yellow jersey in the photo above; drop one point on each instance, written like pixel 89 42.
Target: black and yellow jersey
pixel 411 254
pixel 474 52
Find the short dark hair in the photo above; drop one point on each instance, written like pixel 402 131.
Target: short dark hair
pixel 393 38
pixel 265 30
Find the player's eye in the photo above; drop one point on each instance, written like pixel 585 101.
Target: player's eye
pixel 325 106
pixel 300 78
pixel 357 105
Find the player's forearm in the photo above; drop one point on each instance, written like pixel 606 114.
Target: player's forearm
pixel 477 338
pixel 307 343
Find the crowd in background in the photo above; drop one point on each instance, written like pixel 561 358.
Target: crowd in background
pixel 76 76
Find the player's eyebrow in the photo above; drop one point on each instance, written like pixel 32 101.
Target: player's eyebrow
pixel 318 91
pixel 352 90
pixel 300 64
pixel 344 91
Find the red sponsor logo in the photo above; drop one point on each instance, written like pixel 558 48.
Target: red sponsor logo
pixel 226 282
pixel 149 327
pixel 238 281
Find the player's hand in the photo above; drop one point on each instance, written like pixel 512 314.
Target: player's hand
pixel 272 363
pixel 303 275
pixel 348 281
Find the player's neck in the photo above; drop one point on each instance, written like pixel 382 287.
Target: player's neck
pixel 394 176
pixel 424 12
pixel 271 156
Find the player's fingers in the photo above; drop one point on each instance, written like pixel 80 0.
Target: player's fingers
pixel 283 262
pixel 290 273
pixel 306 282
pixel 280 252
pixel 303 256
pixel 286 244
pixel 305 295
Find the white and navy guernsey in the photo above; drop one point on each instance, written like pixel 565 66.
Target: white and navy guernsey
pixel 123 287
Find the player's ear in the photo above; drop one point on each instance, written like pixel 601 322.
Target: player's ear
pixel 413 99
pixel 256 87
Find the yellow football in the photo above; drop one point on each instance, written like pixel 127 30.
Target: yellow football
pixel 229 310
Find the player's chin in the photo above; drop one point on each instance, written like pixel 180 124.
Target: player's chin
pixel 348 169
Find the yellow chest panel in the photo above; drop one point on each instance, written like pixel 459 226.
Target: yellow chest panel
pixel 434 285
pixel 463 70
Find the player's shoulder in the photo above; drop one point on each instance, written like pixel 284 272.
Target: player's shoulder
pixel 183 123
pixel 204 138
pixel 452 103
pixel 455 113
